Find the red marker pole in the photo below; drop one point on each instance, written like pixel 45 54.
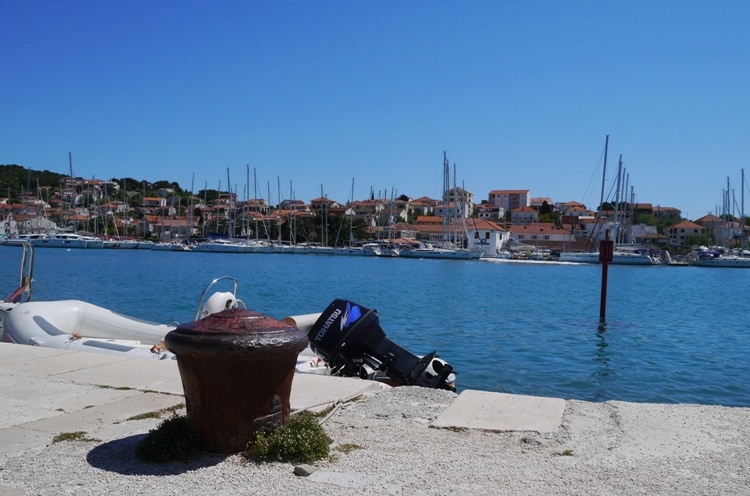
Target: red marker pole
pixel 606 254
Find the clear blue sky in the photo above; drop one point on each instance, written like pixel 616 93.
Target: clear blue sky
pixel 314 93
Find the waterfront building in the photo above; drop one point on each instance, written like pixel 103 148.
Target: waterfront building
pixel 542 234
pixel 510 199
pixel 680 233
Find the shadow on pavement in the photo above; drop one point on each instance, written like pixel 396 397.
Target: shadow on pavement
pixel 119 456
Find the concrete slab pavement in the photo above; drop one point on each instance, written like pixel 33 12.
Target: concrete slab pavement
pixel 502 412
pixel 44 392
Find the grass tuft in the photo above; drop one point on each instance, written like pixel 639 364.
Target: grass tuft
pixel 73 436
pixel 455 428
pixel 157 413
pixel 171 441
pixel 348 447
pixel 302 440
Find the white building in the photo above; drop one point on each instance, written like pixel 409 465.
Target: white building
pixel 510 199
pixel 486 235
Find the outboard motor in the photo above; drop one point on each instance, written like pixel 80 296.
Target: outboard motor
pixel 349 338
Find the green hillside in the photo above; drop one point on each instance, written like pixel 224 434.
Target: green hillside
pixel 15 179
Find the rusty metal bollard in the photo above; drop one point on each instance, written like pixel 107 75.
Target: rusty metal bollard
pixel 237 368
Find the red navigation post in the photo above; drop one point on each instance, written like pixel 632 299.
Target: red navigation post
pixel 606 253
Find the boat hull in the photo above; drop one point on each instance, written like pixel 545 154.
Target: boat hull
pixel 726 262
pixel 440 253
pixel 80 326
pixel 357 252
pixel 43 320
pixel 623 258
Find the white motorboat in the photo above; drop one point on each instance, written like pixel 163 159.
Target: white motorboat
pixel 729 261
pixel 371 249
pixel 259 247
pixel 81 326
pixel 429 251
pixel 380 249
pixel 619 257
pixel 220 245
pixel 76 325
pixel 67 240
pixel 290 249
pixel 388 250
pixel 349 250
pixel 22 239
pixel 321 250
pixel 718 257
pixel 170 246
pixel 121 243
pixel 580 256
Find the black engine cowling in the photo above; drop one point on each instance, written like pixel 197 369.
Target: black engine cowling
pixel 349 338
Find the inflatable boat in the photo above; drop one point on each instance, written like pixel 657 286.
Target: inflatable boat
pixel 345 339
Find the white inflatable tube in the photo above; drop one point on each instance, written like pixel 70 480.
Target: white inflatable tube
pixel 61 324
pixel 303 322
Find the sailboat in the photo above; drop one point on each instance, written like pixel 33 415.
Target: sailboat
pixel 621 255
pixel 723 257
pixel 349 249
pixel 322 247
pixel 387 247
pixel 117 241
pixel 445 249
pixel 62 238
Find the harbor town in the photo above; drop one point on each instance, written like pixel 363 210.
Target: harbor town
pixel 374 248
pixel 65 211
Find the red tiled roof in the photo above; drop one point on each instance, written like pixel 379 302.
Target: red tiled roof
pixel 509 191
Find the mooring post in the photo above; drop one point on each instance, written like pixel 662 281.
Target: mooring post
pixel 606 254
pixel 237 368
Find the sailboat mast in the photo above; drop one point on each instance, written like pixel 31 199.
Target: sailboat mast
pixel 72 192
pixel 727 212
pixel 351 213
pixel 626 182
pixel 230 226
pixel 631 214
pixel 604 179
pixel 446 190
pixel 278 187
pixel 323 222
pixel 218 193
pixel 293 217
pixel 742 212
pixel 205 209
pixel 617 199
pixel 247 203
pixel 255 201
pixel 454 211
pixel 190 207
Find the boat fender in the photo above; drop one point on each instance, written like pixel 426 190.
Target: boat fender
pixel 218 302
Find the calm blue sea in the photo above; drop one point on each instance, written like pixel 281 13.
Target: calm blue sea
pixel 673 334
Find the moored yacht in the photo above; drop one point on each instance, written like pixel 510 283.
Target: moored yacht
pixel 66 240
pixel 220 245
pixel 349 250
pixel 707 257
pixel 429 251
pixel 637 256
